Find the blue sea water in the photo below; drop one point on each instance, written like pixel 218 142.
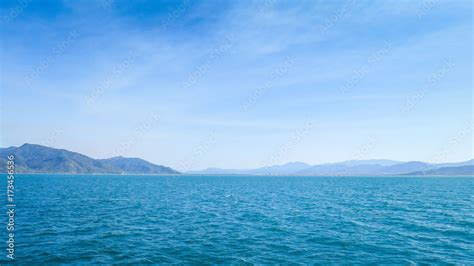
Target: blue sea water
pixel 84 219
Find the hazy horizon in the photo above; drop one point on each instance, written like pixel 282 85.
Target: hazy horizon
pixel 371 160
pixel 240 85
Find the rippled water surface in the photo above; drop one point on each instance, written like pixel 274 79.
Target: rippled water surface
pixel 83 219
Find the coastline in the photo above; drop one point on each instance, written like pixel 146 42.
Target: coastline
pixel 236 175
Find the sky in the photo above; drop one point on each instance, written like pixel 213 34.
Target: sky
pixel 239 84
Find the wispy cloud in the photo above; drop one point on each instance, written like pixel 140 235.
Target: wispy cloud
pixel 285 61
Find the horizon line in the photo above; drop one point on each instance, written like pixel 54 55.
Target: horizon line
pixel 240 169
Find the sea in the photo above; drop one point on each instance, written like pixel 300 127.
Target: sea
pixel 140 219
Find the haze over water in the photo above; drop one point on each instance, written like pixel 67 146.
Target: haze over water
pixel 243 219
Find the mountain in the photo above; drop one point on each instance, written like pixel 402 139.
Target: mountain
pixel 370 167
pixel 340 169
pixel 382 162
pixel 456 170
pixel 137 166
pixel 299 168
pixel 218 171
pixel 470 162
pixel 403 168
pixel 284 169
pixel 32 158
pixel 354 167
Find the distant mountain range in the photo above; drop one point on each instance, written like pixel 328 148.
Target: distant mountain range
pixel 31 158
pixel 455 170
pixel 358 167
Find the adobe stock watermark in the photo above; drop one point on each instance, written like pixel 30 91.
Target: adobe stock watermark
pixel 174 15
pixel 436 77
pixel 16 11
pixel 50 59
pixel 296 137
pixel 265 5
pixel 426 7
pixel 360 73
pixel 460 136
pixel 107 4
pixel 138 133
pixel 363 151
pixel 117 71
pixel 168 20
pixel 214 55
pixel 202 148
pixel 11 206
pixel 280 71
pixel 334 19
pixel 53 136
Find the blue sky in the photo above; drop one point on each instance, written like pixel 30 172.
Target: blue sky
pixel 237 84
